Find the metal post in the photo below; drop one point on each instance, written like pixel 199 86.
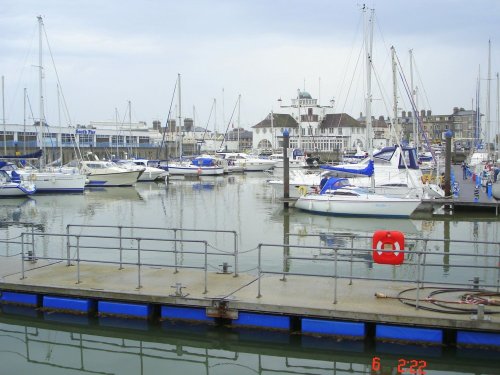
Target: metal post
pixel 286 175
pixel 423 265
pixel 78 259
pixel 33 242
pixel 447 167
pixel 139 286
pixel 22 256
pixel 68 261
pixel 286 251
pixel 175 250
pixel 235 254
pixel 417 299
pixel 121 247
pixel 352 256
pixel 206 267
pixel 335 279
pixel 259 271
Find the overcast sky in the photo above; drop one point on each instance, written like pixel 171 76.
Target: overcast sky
pixel 109 52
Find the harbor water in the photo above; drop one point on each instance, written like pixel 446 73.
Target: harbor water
pixel 247 205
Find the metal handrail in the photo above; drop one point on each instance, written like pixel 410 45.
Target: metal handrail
pixel 174 230
pixel 139 264
pixel 420 263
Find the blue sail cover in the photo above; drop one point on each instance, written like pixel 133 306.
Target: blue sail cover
pixel 334 183
pixel 203 162
pixel 350 172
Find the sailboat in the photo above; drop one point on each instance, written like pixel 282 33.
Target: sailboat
pixel 54 179
pixel 338 197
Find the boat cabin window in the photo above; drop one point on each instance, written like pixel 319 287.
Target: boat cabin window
pixel 345 193
pixel 384 155
pixel 410 158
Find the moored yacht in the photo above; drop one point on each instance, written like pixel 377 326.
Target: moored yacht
pixel 249 163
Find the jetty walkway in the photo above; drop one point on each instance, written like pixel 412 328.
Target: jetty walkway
pixel 340 291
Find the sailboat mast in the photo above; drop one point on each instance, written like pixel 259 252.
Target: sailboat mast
pixel 497 133
pixel 3 117
pixel 368 50
pixel 130 127
pixel 488 87
pixel 239 112
pixel 299 146
pixel 180 119
pixel 59 121
pixel 414 99
pixel 40 83
pixel 395 95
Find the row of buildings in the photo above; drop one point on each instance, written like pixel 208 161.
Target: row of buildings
pixel 312 127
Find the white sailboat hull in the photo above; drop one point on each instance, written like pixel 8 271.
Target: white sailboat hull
pixel 379 206
pixel 193 170
pixel 125 178
pixel 56 182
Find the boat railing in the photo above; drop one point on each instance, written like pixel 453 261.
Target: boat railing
pixel 177 233
pixel 462 269
pixel 97 249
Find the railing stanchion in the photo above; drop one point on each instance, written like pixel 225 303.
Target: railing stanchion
pixel 206 268
pixel 68 261
pixel 259 268
pixel 417 299
pixel 22 256
pixel 235 254
pixel 139 286
pixel 335 277
pixel 78 259
pixel 175 250
pixel 121 247
pixel 351 262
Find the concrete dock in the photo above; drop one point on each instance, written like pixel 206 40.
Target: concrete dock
pixel 227 297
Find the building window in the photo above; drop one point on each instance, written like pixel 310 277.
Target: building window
pixel 67 138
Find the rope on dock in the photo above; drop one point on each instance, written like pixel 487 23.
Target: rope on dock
pixel 472 297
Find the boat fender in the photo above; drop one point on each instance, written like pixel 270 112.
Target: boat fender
pixel 302 190
pixel 387 247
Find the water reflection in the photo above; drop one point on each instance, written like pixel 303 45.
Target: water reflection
pixel 35 345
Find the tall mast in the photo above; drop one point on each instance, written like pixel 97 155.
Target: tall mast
pixel 414 99
pixel 180 118
pixel 24 121
pixel 272 131
pixel 299 145
pixel 130 127
pixel 497 133
pixel 488 87
pixel 239 113
pixel 395 95
pixel 3 117
pixel 368 103
pixel 59 121
pixel 40 82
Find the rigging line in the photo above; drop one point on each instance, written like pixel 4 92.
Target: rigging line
pixel 414 107
pixel 208 121
pixel 168 119
pixel 397 136
pixel 350 87
pixel 348 64
pixel 57 75
pixel 227 128
pixel 422 85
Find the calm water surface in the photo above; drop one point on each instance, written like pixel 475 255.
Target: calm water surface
pixel 241 203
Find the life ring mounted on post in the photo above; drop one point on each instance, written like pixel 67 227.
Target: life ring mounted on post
pixel 388 247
